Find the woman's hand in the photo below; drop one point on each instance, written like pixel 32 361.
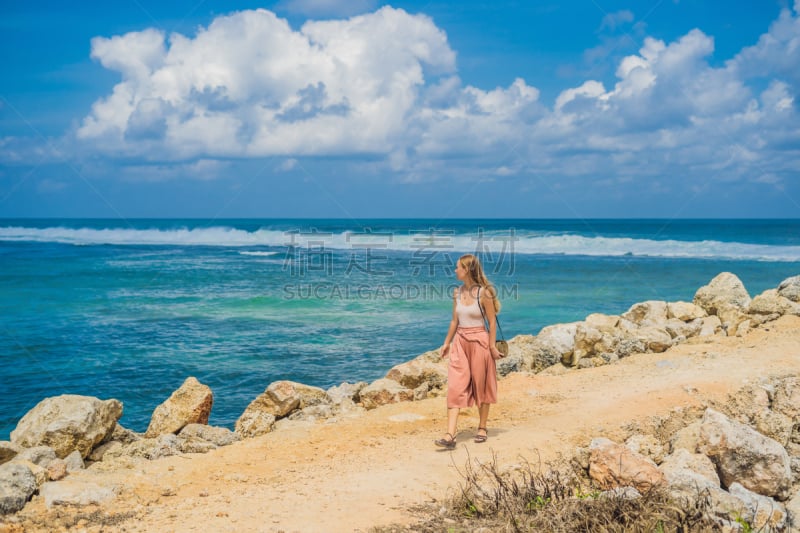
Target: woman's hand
pixel 494 352
pixel 444 350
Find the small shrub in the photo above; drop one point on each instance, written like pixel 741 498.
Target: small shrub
pixel 532 498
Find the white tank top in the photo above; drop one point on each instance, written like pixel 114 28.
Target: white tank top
pixel 469 316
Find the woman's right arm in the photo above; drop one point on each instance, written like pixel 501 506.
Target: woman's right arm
pixel 451 332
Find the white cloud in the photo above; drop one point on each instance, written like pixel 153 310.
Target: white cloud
pixel 478 122
pixel 590 89
pixel 505 171
pixel 135 55
pixel 386 84
pixel 614 20
pixel 777 97
pixel 777 52
pixel 672 113
pixel 287 165
pixel 248 85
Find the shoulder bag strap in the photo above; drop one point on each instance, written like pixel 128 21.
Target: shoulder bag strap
pixel 486 321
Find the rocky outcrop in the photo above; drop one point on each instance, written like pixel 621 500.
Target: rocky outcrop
pixel 125 444
pixel 687 438
pixel 726 297
pixel 310 396
pixel 793 509
pixel 345 393
pixel 650 313
pixel 646 445
pixel 119 438
pixel 71 492
pixel 39 472
pixel 164 445
pixel 74 462
pixel 279 400
pixel 605 323
pixel 345 398
pixel 427 368
pixel 790 288
pixel 678 329
pixel 57 470
pixel 770 302
pixel 67 423
pixel 655 339
pixel 743 455
pixel 8 450
pixel 687 472
pixel 528 353
pixel 711 326
pixel 215 435
pixel 254 421
pixel 759 511
pixel 742 474
pixel 721 307
pixel 786 398
pixel 685 311
pixel 613 465
pixel 190 404
pixel 724 291
pixel 384 391
pixel 587 342
pixel 647 327
pixel 38 455
pixel 17 485
pixel 557 342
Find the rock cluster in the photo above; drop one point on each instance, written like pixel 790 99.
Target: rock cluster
pixel 68 423
pixel 50 441
pixel 62 432
pixel 723 307
pixel 747 474
pixel 284 402
pixel 57 435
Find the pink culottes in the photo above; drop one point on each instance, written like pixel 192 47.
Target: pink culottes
pixel 472 374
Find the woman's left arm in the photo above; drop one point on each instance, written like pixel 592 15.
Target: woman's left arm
pixel 487 302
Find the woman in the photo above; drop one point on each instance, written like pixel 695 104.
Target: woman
pixel 471 375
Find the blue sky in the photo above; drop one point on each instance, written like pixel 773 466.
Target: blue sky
pixel 356 109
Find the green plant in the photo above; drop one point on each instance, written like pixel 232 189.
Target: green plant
pixel 591 494
pixel 537 503
pixel 746 527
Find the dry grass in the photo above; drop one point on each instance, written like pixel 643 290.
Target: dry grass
pixel 67 519
pixel 528 497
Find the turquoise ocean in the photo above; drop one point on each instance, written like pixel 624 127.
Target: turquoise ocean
pixel 128 309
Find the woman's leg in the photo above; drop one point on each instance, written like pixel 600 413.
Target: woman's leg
pixel 449 439
pixel 452 421
pixel 458 384
pixel 483 413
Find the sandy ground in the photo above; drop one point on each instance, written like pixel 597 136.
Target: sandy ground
pixel 365 471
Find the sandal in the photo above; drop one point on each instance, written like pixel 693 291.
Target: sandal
pixel 482 438
pixel 445 443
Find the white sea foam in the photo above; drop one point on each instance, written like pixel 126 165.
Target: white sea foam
pixel 260 254
pixel 425 243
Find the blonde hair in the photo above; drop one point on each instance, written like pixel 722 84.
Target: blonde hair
pixel 473 267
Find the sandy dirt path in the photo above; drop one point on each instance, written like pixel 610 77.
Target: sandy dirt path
pixel 365 471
